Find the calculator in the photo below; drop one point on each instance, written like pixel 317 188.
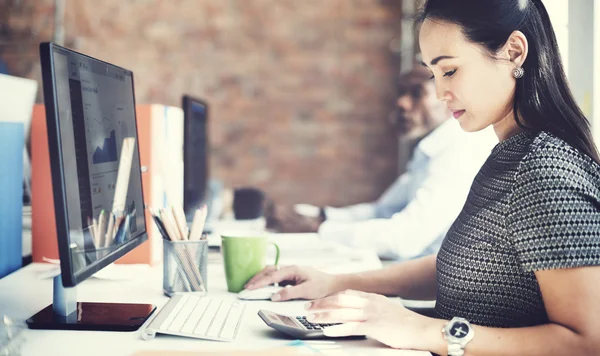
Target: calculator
pixel 297 326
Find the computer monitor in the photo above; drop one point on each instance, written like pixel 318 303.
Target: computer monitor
pixel 195 154
pixel 96 181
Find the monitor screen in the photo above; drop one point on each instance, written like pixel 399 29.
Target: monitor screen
pixel 94 159
pixel 195 154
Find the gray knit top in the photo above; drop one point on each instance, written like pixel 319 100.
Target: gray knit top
pixel 534 205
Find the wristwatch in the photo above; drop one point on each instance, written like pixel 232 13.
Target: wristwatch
pixel 457 332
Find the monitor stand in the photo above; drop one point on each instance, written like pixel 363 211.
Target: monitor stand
pixel 66 313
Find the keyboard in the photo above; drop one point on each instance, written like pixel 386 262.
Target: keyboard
pixel 199 317
pixel 312 326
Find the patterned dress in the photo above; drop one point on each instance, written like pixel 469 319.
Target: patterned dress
pixel 534 205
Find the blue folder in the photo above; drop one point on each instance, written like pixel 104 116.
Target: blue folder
pixel 12 144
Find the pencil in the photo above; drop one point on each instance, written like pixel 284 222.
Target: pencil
pixel 95 221
pixel 197 228
pixel 92 229
pixel 198 223
pixel 186 262
pixel 108 235
pixel 170 219
pixel 172 231
pixel 179 216
pixel 162 230
pixel 159 225
pixel 101 228
pixel 195 266
pixel 123 175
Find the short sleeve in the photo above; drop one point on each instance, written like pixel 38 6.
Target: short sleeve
pixel 554 209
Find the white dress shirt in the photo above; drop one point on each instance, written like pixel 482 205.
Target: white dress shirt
pixel 411 218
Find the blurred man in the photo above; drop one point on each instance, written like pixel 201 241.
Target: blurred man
pixel 412 216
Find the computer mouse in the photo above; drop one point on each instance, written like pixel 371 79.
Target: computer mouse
pixel 263 293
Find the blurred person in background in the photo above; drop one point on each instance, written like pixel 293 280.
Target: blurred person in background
pixel 412 216
pixel 518 271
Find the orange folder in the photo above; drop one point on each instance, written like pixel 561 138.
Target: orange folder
pixel 43 225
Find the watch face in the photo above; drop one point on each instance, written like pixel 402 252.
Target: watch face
pixel 459 330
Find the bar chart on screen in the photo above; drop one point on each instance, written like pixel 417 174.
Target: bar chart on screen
pixel 108 152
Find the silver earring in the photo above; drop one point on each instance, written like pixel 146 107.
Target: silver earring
pixel 518 72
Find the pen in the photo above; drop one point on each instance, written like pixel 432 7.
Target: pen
pixel 118 221
pixel 160 226
pixel 122 230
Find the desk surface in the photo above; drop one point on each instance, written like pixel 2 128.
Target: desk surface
pixel 24 293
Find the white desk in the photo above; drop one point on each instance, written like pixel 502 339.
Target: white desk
pixel 23 294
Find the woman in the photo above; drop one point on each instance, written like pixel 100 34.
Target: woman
pixel 518 271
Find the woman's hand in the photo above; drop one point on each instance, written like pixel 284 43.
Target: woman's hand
pixel 375 316
pixel 309 283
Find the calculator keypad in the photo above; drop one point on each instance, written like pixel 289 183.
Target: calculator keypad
pixel 311 326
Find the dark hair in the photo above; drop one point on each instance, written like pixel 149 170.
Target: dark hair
pixel 543 99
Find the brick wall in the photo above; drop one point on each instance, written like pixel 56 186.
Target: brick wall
pixel 299 89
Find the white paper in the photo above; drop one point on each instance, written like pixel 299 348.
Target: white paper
pixel 17 96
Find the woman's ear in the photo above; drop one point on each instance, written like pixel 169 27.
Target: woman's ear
pixel 516 48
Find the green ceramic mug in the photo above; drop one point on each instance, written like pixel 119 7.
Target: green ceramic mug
pixel 243 257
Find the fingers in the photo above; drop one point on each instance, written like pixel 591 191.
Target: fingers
pixel 272 275
pixel 260 275
pixel 340 300
pixel 347 329
pixel 344 315
pixel 300 291
pixel 347 306
pixel 357 293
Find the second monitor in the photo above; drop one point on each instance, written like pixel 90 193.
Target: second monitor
pixel 195 154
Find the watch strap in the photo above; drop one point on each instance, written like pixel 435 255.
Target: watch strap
pixel 456 345
pixel 455 349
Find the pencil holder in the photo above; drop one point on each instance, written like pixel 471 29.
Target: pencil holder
pixel 184 266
